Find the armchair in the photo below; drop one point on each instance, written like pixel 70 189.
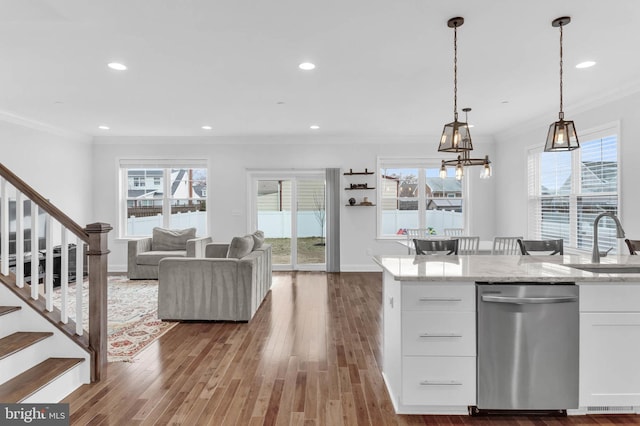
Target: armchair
pixel 145 254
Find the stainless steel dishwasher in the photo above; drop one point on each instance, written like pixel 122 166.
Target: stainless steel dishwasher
pixel 528 338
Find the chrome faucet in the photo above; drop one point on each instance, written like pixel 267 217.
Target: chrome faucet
pixel 595 256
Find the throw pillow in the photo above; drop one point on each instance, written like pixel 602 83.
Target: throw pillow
pixel 240 247
pixel 171 239
pixel 258 239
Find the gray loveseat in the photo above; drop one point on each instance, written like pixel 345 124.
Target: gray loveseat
pixel 216 287
pixel 145 254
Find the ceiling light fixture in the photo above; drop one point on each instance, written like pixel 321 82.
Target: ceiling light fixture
pixel 103 127
pixel 464 160
pixel 314 127
pixel 585 64
pixel 117 66
pixel 562 134
pixel 307 66
pixel 455 135
pixel 207 128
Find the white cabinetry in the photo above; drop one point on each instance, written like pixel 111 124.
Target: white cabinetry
pixel 610 347
pixel 430 346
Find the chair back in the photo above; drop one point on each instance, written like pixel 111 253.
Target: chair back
pixel 417 233
pixel 436 246
pixel 505 245
pixel 453 232
pixel 541 246
pixel 468 245
pixel 633 245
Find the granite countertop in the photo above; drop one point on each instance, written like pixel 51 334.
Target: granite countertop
pixel 508 268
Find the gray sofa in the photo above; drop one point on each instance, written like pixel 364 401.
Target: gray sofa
pixel 215 287
pixel 145 254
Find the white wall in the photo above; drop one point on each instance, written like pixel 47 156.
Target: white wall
pixel 57 164
pixel 511 155
pixel 229 159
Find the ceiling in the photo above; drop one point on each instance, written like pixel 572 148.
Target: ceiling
pixel 384 67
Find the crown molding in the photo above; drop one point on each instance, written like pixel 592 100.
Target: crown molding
pixel 18 120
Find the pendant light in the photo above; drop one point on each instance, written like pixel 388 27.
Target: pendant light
pixel 465 160
pixel 562 134
pixel 455 135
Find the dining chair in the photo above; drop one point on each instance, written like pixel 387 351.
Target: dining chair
pixel 468 245
pixel 634 246
pixel 452 232
pixel 436 246
pixel 413 233
pixel 505 245
pixel 541 246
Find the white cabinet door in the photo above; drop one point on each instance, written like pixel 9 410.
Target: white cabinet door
pixel 609 359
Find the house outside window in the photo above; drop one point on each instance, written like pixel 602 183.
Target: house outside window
pixel 412 195
pixel 567 190
pixel 170 196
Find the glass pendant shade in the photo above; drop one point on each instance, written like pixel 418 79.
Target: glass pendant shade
pixel 486 169
pixel 459 171
pixel 443 171
pixel 562 136
pixel 455 137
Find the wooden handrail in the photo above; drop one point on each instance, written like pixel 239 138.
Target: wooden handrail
pixel 43 203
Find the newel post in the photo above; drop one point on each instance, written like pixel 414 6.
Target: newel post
pixel 98 253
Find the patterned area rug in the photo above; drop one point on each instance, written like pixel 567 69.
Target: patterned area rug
pixel 132 319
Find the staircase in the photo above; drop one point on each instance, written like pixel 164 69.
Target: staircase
pixel 38 364
pixel 46 353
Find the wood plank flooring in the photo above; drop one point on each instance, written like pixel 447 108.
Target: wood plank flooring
pixel 310 356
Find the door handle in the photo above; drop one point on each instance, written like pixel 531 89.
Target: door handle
pixel 529 300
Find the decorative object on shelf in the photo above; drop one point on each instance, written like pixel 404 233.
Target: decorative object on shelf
pixel 464 160
pixel 359 186
pixel 366 202
pixel 455 135
pixel 562 134
pixel 352 201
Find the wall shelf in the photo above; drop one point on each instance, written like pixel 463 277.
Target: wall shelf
pixel 360 205
pixel 351 172
pixel 357 189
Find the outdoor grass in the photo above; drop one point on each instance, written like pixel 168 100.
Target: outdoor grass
pixel 308 250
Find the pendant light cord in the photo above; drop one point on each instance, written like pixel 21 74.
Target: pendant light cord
pixel 561 113
pixel 455 73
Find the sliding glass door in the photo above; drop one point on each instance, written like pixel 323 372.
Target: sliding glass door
pixel 290 208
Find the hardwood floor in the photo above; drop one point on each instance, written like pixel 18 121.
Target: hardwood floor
pixel 310 356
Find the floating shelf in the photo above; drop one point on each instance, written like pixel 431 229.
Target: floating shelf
pixel 351 172
pixel 356 189
pixel 360 205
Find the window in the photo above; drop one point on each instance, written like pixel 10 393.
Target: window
pixel 412 195
pixel 567 190
pixel 162 193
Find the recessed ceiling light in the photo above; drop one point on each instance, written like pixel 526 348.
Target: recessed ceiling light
pixel 207 128
pixel 586 64
pixel 314 127
pixel 504 102
pixel 103 127
pixel 307 66
pixel 117 66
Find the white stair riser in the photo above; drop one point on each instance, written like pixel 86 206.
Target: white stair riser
pixel 11 322
pixel 23 360
pixel 59 388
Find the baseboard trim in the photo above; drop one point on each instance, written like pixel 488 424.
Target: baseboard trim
pixel 361 268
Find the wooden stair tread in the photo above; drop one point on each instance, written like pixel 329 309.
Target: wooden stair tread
pixel 35 378
pixel 20 340
pixel 8 309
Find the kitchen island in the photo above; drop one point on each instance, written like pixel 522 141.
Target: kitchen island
pixel 430 330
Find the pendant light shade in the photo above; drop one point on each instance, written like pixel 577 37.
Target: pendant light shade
pixel 562 134
pixel 455 135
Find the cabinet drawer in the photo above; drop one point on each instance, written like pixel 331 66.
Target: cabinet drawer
pixel 610 298
pixel 430 380
pixel 426 297
pixel 439 333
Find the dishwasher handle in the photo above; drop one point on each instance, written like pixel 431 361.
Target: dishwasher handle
pixel 529 300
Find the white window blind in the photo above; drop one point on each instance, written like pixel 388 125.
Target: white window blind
pixel 567 190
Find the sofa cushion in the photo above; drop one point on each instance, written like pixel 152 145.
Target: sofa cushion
pixel 240 247
pixel 258 239
pixel 154 257
pixel 171 239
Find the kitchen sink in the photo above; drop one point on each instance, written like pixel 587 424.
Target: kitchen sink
pixel 606 268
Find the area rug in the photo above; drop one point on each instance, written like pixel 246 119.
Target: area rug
pixel 132 315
